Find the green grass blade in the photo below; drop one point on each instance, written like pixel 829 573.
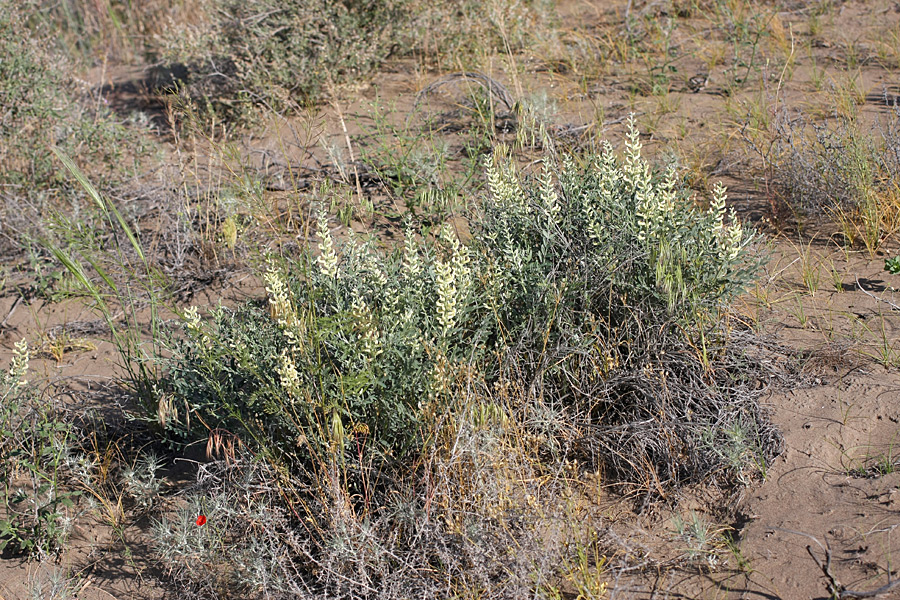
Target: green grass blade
pixel 81 177
pixel 131 237
pixel 104 206
pixel 76 269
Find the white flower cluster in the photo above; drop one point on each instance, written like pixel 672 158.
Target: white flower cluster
pixel 373 269
pixel 688 249
pixel 513 215
pixel 636 169
pixel 411 272
pixel 654 204
pixel 327 259
pixel 655 207
pixel 194 325
pixel 369 337
pixel 288 375
pixel 610 178
pixel 18 368
pixel 364 267
pixel 459 257
pixel 446 289
pixel 192 319
pixel 731 235
pixel 549 197
pixel 412 264
pixel 502 181
pixel 281 307
pixel 452 279
pixel 371 343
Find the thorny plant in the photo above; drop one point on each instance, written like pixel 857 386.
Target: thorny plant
pixel 471 518
pixel 53 584
pixel 704 540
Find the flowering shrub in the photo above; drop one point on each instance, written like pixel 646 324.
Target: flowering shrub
pixel 350 341
pixel 584 318
pixel 612 247
pixel 611 288
pixel 608 269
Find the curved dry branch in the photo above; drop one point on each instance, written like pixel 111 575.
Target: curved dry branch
pixel 491 85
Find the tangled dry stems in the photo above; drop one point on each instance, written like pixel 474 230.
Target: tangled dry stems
pixel 423 420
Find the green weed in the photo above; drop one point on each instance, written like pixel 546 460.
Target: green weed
pixel 704 539
pixel 38 510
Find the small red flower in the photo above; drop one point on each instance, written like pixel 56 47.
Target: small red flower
pixel 201 520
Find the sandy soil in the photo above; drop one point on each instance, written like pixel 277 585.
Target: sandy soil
pixel 836 486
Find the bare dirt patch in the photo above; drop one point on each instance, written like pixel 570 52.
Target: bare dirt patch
pixel 708 83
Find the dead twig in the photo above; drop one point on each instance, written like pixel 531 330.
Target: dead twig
pixel 11 311
pixel 833 585
pixel 874 297
pixel 492 85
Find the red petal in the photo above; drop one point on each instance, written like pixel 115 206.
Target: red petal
pixel 201 521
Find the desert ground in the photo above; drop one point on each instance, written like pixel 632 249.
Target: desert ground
pixel 399 300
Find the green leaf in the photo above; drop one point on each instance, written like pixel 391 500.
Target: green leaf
pixel 892 265
pixel 106 207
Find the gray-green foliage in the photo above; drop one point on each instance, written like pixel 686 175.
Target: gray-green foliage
pixel 33 446
pixel 612 290
pixel 602 269
pixel 277 54
pixel 352 341
pixel 41 107
pixel 246 537
pixel 246 55
pixel 615 242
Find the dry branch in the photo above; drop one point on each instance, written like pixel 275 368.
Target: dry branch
pixel 492 85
